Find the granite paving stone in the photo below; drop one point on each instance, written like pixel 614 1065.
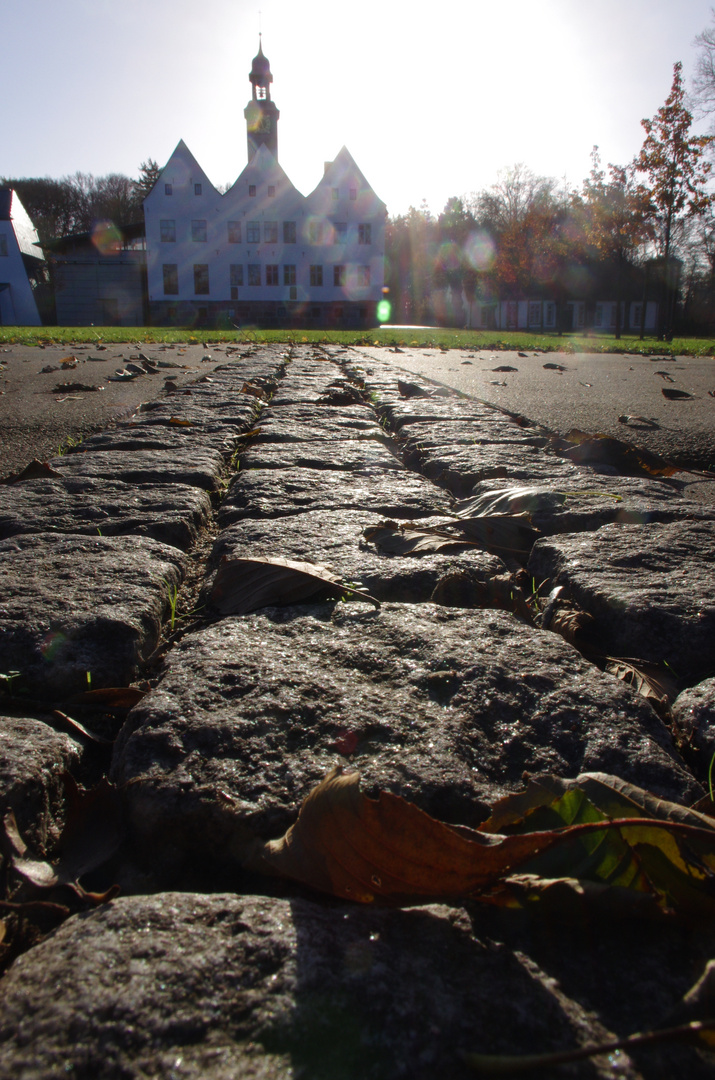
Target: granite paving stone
pixel 171 513
pixel 77 608
pixel 650 589
pixel 268 493
pixel 216 987
pixel 448 707
pixel 347 454
pixel 334 539
pixel 196 466
pixel 33 757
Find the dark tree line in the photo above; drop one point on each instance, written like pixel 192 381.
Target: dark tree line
pixel 74 203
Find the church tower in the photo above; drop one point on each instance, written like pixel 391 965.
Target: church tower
pixel 261 113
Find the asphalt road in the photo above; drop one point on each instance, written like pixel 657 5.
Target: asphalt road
pixel 36 418
pixel 589 392
pixel 561 392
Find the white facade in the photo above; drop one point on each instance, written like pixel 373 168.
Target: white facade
pixel 263 251
pixel 18 241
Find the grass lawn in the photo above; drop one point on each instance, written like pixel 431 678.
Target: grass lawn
pixel 406 337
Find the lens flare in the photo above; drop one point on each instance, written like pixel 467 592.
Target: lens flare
pixel 479 250
pixel 384 310
pixel 107 238
pixel 52 642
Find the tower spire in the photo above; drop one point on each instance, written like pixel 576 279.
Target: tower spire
pixel 261 114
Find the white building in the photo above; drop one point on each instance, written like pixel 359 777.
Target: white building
pixel 20 253
pixel 263 253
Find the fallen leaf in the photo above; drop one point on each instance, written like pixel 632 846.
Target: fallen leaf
pixel 514 500
pixel 627 459
pixel 674 395
pixel 110 697
pixel 592 836
pixel 402 539
pixel 92 833
pixel 665 375
pixel 36 470
pixel 554 367
pixel 411 389
pixel 506 367
pixel 648 679
pixel 359 848
pixel 75 726
pixel 502 534
pixel 244 585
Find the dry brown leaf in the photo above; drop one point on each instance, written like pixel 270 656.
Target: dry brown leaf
pixel 628 459
pixel 396 539
pixel 245 585
pixel 502 534
pixel 110 697
pixel 36 470
pixel 359 848
pixel 93 831
pixel 648 679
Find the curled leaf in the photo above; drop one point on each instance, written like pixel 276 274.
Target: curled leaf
pixel 245 585
pixel 359 848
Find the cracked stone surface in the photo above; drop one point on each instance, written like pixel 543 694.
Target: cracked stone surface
pixel 173 514
pixel 33 757
pixel 87 604
pixel 198 467
pixel 334 539
pixel 651 590
pixel 271 493
pixel 450 707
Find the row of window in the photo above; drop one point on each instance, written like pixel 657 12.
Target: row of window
pixel 319 232
pixel 198 190
pixel 254 276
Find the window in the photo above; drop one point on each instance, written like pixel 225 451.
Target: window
pixel 340 233
pixel 598 315
pixel 353 194
pixel 271 275
pixel 252 190
pixel 253 232
pixel 236 272
pixel 364 234
pixel 363 275
pixel 336 194
pixel 534 313
pixel 197 189
pixel 636 314
pixel 234 232
pixel 550 313
pixel 254 274
pixel 201 279
pixel 271 191
pixel 168 189
pixel 289 275
pixel 167 232
pixel 338 275
pixel 316 275
pixel 3 245
pixel 270 232
pixel 288 232
pixel 315 232
pixel 198 231
pixel 171 279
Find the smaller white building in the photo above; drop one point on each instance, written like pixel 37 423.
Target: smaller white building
pixel 20 254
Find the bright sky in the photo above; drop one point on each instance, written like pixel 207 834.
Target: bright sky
pixel 430 99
